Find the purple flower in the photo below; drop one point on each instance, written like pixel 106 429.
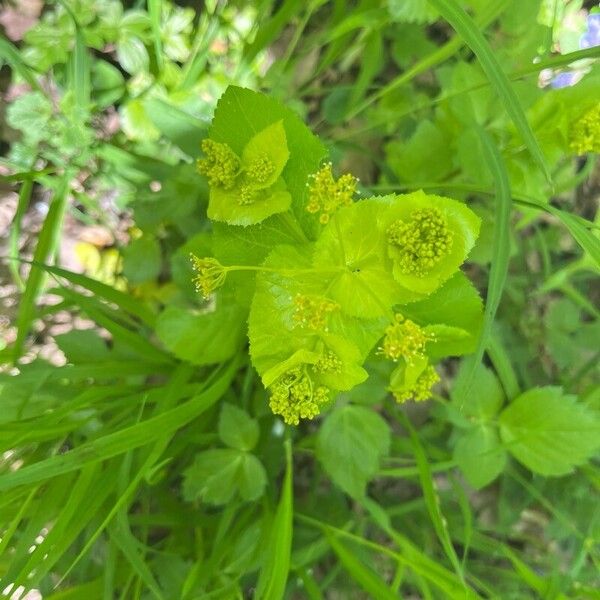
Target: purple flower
pixel 591 37
pixel 563 80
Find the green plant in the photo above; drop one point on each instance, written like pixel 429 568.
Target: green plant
pixel 295 382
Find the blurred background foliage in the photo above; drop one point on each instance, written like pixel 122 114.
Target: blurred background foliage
pixel 116 382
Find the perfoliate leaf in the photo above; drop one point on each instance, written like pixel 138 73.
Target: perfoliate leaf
pixel 429 237
pixel 242 113
pixel 353 245
pixel 237 429
pixel 480 455
pixel 350 444
pixel 267 149
pixel 549 432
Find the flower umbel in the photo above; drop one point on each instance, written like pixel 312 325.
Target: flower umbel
pixel 260 169
pixel 311 312
pixel 210 275
pixel 294 396
pixel 221 166
pixel 585 132
pixel 405 339
pixel 421 389
pixel 423 240
pixel 328 363
pixel 326 194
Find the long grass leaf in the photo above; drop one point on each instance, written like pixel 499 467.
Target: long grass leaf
pixel 276 566
pixel 176 125
pixel 47 240
pixel 468 30
pixel 500 255
pixel 155 12
pixel 432 500
pixel 123 440
pixel 11 55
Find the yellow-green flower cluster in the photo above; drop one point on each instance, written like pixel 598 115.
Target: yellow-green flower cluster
pixel 210 275
pixel 220 166
pixel 260 169
pixel 421 389
pixel 423 240
pixel 294 396
pixel 326 194
pixel 585 132
pixel 311 312
pixel 328 363
pixel 405 339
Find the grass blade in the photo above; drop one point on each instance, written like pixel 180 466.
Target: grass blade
pixel 466 28
pixel 47 241
pixel 123 440
pixel 155 12
pixel 500 254
pixel 432 499
pixel 11 55
pixel 274 573
pixel 363 575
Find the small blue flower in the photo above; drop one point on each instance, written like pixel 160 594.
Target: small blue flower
pixel 563 80
pixel 591 37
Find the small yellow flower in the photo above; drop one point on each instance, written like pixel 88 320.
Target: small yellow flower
pixel 220 166
pixel 210 275
pixel 405 339
pixel 311 312
pixel 328 363
pixel 421 390
pixel 294 396
pixel 326 194
pixel 585 132
pixel 260 169
pixel 423 240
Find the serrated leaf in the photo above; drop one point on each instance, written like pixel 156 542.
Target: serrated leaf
pixel 242 113
pixel 217 476
pixel 202 337
pixel 485 396
pixel 549 432
pixel 237 429
pixel 480 455
pixel 350 444
pixel 30 114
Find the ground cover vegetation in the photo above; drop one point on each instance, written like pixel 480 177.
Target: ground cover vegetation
pixel 300 299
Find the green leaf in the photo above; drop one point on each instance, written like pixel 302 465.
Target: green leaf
pixel 142 260
pixel 132 55
pixel 237 429
pixel 276 557
pixel 136 123
pixel 485 397
pixel 178 126
pixel 456 304
pixel 549 432
pixel 225 205
pixel 363 575
pixel 352 243
pixel 270 144
pixel 480 455
pixel 350 444
pixel 202 337
pixel 217 476
pixel 460 222
pixel 471 33
pixel 242 113
pixel 411 11
pixel 30 113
